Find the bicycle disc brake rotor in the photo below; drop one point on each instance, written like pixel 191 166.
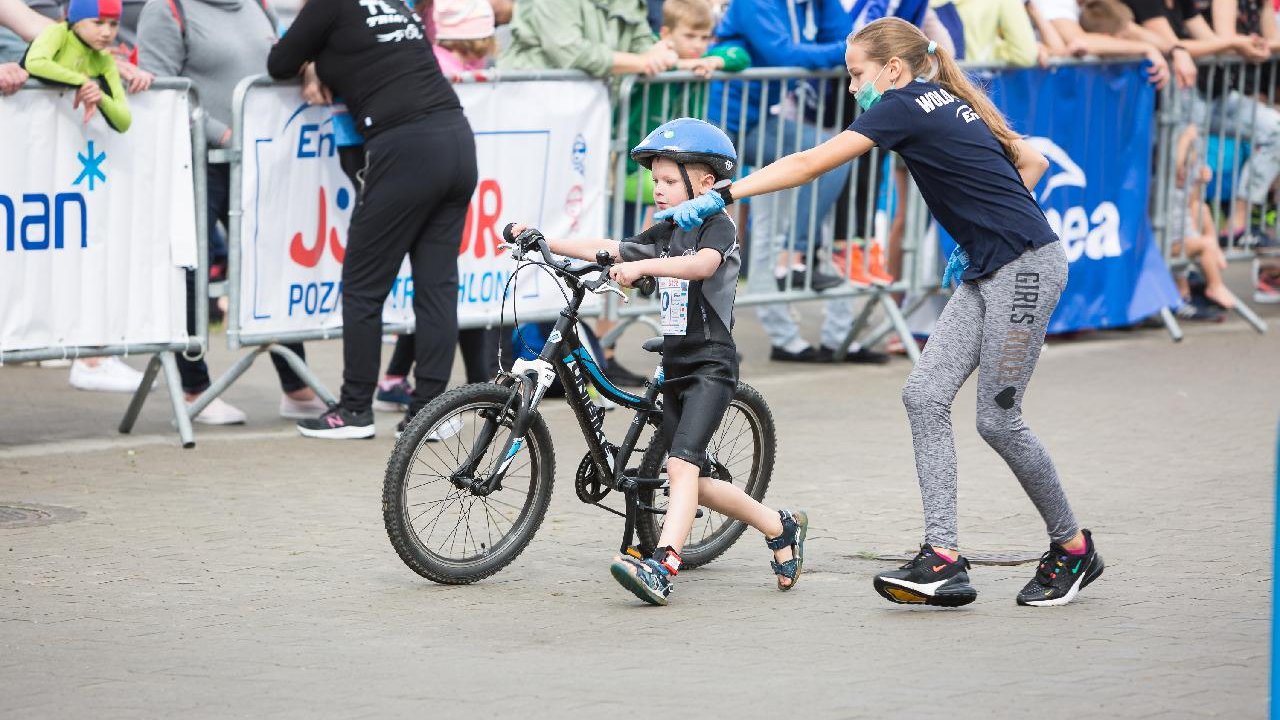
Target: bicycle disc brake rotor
pixel 587 482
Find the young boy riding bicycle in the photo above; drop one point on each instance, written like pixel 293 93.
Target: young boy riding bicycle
pixel 697 273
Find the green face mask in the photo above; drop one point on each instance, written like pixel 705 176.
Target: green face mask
pixel 869 94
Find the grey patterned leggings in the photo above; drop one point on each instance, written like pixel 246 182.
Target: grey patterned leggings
pixel 996 325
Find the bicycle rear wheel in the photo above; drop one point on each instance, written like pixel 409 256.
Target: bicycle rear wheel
pixel 442 530
pixel 743 447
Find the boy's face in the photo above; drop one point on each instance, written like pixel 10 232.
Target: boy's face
pixel 668 183
pixel 688 41
pixel 97 33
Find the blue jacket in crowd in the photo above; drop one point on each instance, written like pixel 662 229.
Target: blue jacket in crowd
pixel 792 33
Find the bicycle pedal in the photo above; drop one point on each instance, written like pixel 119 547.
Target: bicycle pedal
pixel 634 553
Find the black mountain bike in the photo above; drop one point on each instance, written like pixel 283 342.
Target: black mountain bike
pixel 470 478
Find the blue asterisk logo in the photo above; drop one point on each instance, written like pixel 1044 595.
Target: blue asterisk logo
pixel 92 164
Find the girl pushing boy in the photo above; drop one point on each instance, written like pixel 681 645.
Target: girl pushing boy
pixel 976 176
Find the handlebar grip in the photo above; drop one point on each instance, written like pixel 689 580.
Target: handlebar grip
pixel 646 286
pixel 507 234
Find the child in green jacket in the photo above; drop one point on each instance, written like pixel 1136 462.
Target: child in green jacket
pixel 687 26
pixel 76 53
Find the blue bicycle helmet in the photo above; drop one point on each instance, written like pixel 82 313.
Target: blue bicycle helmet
pixel 689 140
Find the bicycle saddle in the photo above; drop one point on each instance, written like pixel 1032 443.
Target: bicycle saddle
pixel 653 345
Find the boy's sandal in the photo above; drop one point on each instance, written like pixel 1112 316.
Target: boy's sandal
pixel 794 527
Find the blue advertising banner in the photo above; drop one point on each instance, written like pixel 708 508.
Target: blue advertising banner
pixel 1094 124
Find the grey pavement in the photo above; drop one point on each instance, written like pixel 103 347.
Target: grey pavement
pixel 251 576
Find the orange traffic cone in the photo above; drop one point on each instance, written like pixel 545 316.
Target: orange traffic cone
pixel 876 270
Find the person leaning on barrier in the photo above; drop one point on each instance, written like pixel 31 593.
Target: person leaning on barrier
pixel 609 37
pixel 419 175
pixel 1239 107
pixel 26 23
pixel 1064 17
pixel 216 44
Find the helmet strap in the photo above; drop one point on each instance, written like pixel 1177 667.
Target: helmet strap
pixel 688 184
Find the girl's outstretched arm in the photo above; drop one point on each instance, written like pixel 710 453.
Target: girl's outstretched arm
pixel 799 168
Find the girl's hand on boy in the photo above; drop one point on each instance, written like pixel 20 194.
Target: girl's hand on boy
pixel 137 79
pixel 625 274
pixel 12 76
pixel 690 213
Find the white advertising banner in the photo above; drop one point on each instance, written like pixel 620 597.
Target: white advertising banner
pixel 94 224
pixel 542 152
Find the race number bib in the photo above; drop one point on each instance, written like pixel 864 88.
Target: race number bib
pixel 674 294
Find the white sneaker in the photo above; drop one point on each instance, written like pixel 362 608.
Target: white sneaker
pixel 220 412
pixel 445 430
pixel 110 374
pixel 302 409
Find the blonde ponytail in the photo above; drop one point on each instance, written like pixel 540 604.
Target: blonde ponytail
pixel 893 37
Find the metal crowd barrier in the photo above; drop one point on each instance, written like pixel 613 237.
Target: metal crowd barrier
pixel 1231 111
pixel 274 343
pixel 162 358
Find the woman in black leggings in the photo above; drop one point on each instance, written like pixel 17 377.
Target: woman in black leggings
pixel 418 177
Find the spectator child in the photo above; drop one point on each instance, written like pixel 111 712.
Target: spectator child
pixel 464 35
pixel 77 53
pixel 1107 17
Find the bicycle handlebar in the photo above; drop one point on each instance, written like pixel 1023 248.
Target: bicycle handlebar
pixel 532 238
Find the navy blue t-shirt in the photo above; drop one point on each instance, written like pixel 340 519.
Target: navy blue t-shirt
pixel 970 185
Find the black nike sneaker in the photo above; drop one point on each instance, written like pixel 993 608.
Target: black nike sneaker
pixel 1061 575
pixel 929 579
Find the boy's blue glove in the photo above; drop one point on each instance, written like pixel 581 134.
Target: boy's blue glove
pixel 690 213
pixel 956 265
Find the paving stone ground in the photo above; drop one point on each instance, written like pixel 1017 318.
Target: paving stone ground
pixel 251 576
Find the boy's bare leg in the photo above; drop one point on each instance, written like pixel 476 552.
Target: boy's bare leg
pixel 716 495
pixel 682 503
pixel 1206 251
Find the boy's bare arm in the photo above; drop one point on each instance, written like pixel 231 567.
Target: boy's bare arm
pixel 583 249
pixel 684 267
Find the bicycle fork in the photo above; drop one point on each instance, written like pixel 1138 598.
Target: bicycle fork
pixel 533 378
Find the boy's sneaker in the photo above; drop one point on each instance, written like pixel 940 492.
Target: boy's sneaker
pixel 1061 575
pixel 394 396
pixel 339 424
pixel 646 579
pixel 929 579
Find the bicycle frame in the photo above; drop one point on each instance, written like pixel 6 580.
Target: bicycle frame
pixel 564 357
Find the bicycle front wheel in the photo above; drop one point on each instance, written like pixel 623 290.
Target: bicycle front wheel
pixel 440 528
pixel 742 448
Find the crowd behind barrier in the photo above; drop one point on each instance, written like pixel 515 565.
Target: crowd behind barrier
pixel 564 166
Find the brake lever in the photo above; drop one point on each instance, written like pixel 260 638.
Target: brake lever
pixel 607 287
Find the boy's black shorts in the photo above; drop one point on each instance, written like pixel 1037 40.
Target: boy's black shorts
pixel 697 388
